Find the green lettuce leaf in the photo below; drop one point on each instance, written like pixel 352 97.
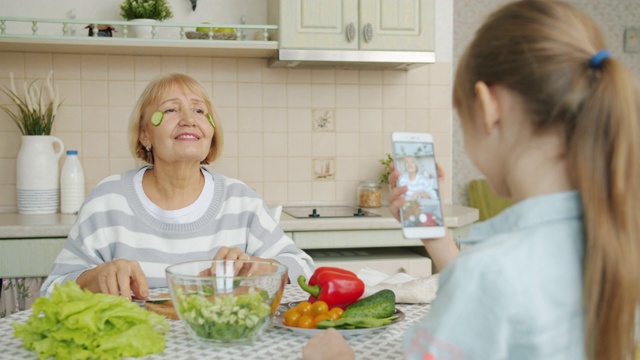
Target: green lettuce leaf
pixel 78 324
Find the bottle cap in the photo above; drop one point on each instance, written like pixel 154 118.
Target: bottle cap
pixel 72 152
pixel 369 182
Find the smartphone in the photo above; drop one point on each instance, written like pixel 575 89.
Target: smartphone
pixel 415 159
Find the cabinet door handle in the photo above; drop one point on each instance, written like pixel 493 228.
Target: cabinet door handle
pixel 351 32
pixel 367 32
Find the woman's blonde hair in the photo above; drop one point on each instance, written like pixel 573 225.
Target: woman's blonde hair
pixel 542 50
pixel 149 101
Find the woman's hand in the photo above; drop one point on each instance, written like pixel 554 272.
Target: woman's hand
pixel 240 268
pixel 329 345
pixel 116 277
pixel 227 253
pixel 420 195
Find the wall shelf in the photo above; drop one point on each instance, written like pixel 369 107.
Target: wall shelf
pixel 121 46
pixel 53 36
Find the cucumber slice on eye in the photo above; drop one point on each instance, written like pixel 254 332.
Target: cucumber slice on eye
pixel 211 120
pixel 156 117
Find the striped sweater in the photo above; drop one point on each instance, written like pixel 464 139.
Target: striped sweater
pixel 113 224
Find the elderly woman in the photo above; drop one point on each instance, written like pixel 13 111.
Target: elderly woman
pixel 132 226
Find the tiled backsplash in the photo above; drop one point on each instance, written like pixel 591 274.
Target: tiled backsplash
pixel 293 135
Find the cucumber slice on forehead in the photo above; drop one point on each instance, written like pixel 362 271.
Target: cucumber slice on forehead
pixel 211 120
pixel 156 117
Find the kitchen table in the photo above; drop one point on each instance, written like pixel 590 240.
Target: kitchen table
pixel 276 343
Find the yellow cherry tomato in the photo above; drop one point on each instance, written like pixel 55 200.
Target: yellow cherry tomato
pixel 335 313
pixel 306 322
pixel 319 307
pixel 291 317
pixel 304 307
pixel 319 318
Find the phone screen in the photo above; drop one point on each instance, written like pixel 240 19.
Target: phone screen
pixel 417 166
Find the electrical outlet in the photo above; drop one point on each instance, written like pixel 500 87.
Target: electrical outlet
pixel 632 40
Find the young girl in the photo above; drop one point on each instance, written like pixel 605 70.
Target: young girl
pixel 553 122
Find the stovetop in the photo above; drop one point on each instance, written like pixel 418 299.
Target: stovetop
pixel 313 212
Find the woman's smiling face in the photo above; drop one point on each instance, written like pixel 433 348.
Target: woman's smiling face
pixel 410 164
pixel 185 134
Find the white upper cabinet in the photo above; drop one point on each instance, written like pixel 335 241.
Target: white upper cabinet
pixel 318 24
pixel 381 25
pixel 397 25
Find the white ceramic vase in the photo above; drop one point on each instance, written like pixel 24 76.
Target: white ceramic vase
pixel 38 174
pixel 142 31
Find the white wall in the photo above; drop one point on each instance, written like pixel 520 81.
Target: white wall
pixel 266 113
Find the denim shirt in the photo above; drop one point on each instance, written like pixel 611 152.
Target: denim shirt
pixel 516 292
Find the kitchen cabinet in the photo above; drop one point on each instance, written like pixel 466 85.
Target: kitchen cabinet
pixel 387 260
pixel 373 25
pixel 29 244
pixel 28 257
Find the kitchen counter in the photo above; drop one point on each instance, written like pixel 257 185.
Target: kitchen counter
pixel 455 216
pixel 14 226
pixel 29 244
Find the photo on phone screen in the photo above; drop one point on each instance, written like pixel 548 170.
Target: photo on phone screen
pixel 415 160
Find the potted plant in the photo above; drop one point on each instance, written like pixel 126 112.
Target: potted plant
pixel 37 181
pixel 145 11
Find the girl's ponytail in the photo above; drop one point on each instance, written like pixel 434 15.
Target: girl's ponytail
pixel 603 148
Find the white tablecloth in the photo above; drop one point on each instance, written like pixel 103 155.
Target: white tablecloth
pixel 276 342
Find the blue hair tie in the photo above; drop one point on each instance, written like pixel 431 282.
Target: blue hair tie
pixel 596 60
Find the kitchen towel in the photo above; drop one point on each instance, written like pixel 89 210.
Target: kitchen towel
pixel 408 289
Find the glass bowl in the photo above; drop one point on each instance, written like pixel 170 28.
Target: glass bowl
pixel 226 302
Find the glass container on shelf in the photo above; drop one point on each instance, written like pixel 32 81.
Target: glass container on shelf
pixel 369 194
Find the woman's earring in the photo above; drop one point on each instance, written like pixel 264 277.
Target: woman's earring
pixel 148 148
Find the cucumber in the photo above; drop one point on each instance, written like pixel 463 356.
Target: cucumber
pixel 378 306
pixel 156 117
pixel 354 323
pixel 211 120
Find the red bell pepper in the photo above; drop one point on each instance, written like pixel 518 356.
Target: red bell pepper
pixel 335 286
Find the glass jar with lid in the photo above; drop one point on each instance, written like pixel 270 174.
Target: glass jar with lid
pixel 369 194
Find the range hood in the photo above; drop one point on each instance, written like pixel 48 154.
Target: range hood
pixel 346 59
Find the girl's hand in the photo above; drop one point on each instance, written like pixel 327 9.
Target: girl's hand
pixel 327 345
pixel 441 177
pixel 396 194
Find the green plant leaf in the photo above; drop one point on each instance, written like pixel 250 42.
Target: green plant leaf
pixel 37 120
pixel 384 177
pixel 145 9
